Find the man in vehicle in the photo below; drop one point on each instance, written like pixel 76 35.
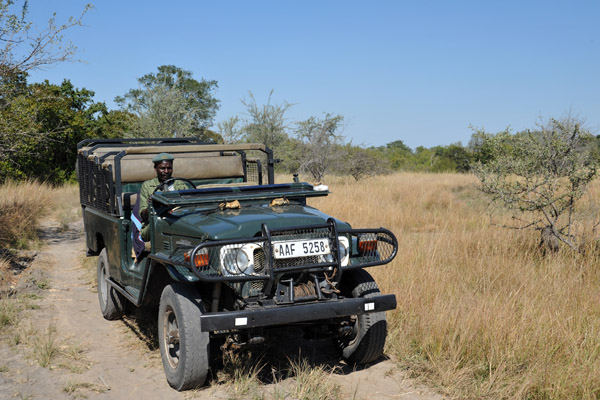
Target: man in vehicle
pixel 163 165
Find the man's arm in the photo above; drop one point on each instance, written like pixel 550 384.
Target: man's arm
pixel 144 197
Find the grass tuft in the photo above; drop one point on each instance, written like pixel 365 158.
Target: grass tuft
pixel 240 374
pixel 312 382
pixel 79 389
pixel 9 311
pixel 45 347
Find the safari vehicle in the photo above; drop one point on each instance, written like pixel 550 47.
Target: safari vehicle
pixel 232 258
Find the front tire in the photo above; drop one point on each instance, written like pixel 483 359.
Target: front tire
pixel 184 348
pixel 367 340
pixel 111 301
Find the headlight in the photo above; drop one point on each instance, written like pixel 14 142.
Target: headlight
pixel 238 260
pixel 242 260
pixel 343 250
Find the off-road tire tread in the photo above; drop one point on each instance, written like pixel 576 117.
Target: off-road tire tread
pixel 372 326
pixel 193 366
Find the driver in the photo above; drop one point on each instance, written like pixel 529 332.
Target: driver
pixel 163 165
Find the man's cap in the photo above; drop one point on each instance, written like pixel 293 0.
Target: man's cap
pixel 162 157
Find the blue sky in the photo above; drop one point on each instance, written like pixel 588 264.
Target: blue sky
pixel 417 71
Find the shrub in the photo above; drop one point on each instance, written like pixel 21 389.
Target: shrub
pixel 539 176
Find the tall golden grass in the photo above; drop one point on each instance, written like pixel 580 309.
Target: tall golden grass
pixel 481 312
pixel 22 205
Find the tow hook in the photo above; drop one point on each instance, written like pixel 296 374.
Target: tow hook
pixel 236 342
pixel 345 330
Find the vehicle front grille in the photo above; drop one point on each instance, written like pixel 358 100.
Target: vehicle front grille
pixel 299 261
pixel 321 232
pixel 259 261
pixel 301 234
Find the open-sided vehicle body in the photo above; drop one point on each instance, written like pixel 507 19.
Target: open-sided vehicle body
pixel 232 256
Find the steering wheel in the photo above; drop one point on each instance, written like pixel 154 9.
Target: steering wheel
pixel 161 186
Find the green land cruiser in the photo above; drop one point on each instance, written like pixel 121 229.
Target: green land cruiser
pixel 231 258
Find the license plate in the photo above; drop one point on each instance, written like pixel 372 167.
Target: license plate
pixel 301 248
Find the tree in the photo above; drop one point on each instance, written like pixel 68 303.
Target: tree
pixel 170 103
pixel 321 144
pixel 24 48
pixel 485 146
pixel 264 124
pixel 65 114
pixel 540 175
pixel 397 154
pixel 362 163
pixel 230 130
pixel 452 158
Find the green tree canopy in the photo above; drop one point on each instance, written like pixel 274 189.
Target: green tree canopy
pixel 170 103
pixel 64 114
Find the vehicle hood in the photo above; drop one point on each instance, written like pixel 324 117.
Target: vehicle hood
pixel 242 222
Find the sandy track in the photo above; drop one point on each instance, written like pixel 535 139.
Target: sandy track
pixel 114 363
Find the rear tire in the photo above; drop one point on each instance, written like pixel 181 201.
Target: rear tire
pixel 366 343
pixel 111 301
pixel 184 348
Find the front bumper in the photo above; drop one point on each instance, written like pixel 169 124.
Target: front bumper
pixel 382 247
pixel 295 313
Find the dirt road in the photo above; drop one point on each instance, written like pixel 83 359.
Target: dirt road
pixel 98 359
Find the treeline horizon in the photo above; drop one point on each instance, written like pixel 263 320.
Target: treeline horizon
pixel 41 124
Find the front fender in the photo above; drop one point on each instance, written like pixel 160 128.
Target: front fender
pixel 181 274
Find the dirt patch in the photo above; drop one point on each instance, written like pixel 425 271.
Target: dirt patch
pixel 64 349
pixel 13 263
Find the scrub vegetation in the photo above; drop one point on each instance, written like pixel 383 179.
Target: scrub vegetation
pixel 482 313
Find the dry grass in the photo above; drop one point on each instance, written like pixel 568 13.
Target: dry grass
pixel 240 376
pixel 66 205
pixel 44 346
pixel 481 313
pixel 245 376
pixel 313 382
pixel 81 390
pixel 22 205
pixel 6 277
pixel 89 265
pixel 9 313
